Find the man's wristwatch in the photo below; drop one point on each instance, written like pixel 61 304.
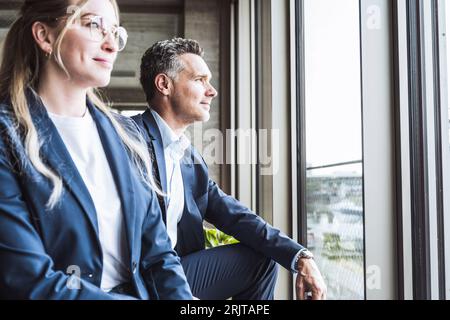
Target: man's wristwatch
pixel 304 254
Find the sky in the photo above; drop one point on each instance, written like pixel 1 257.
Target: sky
pixel 333 85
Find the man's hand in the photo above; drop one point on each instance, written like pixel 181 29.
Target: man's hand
pixel 309 279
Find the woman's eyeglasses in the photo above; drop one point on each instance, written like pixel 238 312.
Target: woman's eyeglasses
pixel 99 30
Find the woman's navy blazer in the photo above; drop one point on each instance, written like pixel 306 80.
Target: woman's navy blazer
pixel 56 254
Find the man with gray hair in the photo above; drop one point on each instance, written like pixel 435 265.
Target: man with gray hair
pixel 176 81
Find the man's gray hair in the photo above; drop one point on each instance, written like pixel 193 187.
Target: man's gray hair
pixel 162 57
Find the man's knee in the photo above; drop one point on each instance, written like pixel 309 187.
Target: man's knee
pixel 265 280
pixel 268 268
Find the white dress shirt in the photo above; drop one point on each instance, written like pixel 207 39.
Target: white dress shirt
pixel 174 149
pixel 83 142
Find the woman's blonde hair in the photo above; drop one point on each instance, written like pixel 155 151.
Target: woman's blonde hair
pixel 20 69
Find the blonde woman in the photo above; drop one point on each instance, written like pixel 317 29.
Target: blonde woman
pixel 78 215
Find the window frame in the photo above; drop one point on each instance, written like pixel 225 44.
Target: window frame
pixel 377 252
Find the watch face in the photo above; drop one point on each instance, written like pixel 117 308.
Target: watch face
pixel 306 254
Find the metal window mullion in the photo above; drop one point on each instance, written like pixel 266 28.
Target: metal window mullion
pixel 378 149
pixel 301 123
pixel 402 153
pixel 244 117
pixel 436 33
pixel 418 147
pixel 442 117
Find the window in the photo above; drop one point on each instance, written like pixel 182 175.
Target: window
pixel 333 142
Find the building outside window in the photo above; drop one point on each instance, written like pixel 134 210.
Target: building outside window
pixel 334 177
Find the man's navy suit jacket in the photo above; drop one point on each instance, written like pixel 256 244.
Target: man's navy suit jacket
pixel 204 200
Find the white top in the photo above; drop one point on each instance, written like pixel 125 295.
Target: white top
pixel 174 148
pixel 83 142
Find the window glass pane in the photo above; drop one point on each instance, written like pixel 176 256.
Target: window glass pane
pixel 334 144
pixel 335 228
pixel 332 79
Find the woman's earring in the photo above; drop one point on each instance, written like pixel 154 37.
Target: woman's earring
pixel 48 54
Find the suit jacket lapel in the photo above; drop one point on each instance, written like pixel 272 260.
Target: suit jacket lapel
pixel 119 163
pixel 156 140
pixel 58 157
pixel 189 236
pixel 56 154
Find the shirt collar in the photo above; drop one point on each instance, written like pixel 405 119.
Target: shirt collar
pixel 167 134
pixel 169 138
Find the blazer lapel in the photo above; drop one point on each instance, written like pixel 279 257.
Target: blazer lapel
pixel 55 152
pixel 189 235
pixel 156 140
pixel 120 165
pixel 58 157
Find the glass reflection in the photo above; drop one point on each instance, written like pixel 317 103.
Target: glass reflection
pixel 335 228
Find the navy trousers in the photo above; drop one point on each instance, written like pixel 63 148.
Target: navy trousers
pixel 231 271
